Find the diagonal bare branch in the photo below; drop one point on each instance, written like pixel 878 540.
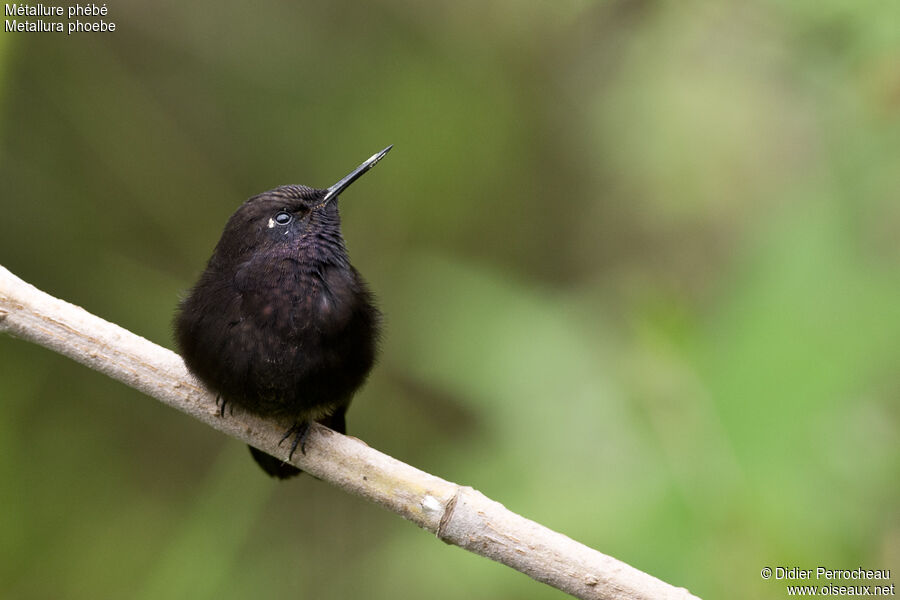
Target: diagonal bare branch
pixel 456 514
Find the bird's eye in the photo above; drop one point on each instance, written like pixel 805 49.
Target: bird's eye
pixel 283 218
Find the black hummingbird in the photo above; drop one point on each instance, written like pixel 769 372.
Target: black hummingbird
pixel 280 323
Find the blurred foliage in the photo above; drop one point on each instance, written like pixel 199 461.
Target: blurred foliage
pixel 639 262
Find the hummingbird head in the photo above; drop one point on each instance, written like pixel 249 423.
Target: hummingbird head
pixel 290 222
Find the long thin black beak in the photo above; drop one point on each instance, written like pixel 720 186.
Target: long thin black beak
pixel 341 185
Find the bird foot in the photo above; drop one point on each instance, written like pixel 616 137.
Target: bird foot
pixel 221 403
pixel 300 431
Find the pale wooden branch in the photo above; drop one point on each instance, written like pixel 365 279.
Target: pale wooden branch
pixel 456 514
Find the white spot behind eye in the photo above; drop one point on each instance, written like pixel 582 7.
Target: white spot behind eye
pixel 271 223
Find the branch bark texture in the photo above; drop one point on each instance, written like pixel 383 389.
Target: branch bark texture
pixel 456 514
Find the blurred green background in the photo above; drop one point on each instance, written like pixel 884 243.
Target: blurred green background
pixel 639 263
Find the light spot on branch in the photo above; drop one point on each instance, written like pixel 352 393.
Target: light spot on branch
pixel 431 504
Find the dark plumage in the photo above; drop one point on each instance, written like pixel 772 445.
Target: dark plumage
pixel 280 323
